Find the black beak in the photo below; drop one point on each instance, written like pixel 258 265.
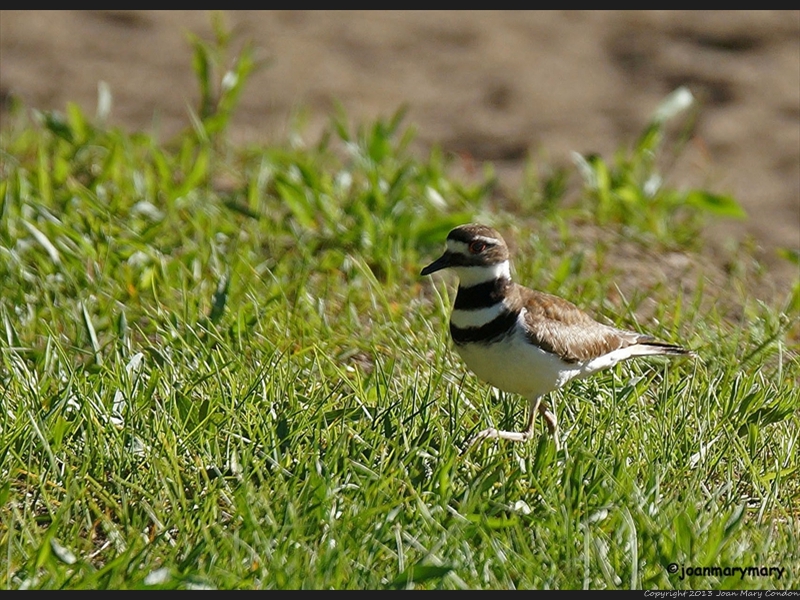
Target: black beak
pixel 440 263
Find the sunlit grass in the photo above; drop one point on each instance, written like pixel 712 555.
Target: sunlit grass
pixel 220 368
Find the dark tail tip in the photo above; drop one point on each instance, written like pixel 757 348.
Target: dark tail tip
pixel 671 349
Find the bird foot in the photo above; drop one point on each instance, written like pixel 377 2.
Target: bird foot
pixel 512 436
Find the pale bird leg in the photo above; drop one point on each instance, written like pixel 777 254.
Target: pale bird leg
pixel 522 436
pixel 552 423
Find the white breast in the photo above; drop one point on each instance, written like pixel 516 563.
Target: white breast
pixel 514 365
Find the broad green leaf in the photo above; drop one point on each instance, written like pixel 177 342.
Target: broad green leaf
pixel 718 204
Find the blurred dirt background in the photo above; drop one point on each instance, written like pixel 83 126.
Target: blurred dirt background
pixel 494 86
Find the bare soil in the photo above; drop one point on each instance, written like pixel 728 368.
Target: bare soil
pixel 494 86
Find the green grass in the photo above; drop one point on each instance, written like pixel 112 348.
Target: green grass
pixel 220 368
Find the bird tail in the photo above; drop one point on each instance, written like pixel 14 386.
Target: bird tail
pixel 650 347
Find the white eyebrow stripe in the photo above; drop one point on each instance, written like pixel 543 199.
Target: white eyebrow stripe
pixel 463 248
pixel 488 240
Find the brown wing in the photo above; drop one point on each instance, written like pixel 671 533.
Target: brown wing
pixel 560 327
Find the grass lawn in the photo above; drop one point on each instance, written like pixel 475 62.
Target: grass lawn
pixel 220 368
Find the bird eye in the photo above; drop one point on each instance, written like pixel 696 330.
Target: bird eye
pixel 477 247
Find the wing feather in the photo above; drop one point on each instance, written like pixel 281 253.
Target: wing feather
pixel 560 327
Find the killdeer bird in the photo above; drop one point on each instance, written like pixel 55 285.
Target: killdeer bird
pixel 523 341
